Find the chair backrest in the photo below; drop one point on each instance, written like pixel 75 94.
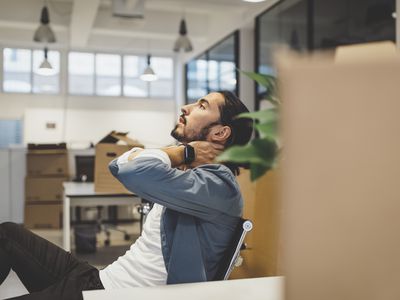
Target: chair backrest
pixel 84 168
pixel 228 261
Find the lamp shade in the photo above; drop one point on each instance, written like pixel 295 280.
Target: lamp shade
pixel 45 67
pixel 183 41
pixel 148 74
pixel 44 33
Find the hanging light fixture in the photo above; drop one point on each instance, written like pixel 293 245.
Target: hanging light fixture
pixel 44 33
pixel 45 67
pixel 148 74
pixel 183 40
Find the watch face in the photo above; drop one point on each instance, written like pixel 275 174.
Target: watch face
pixel 189 154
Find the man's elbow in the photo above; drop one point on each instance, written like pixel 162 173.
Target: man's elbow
pixel 113 167
pixel 132 176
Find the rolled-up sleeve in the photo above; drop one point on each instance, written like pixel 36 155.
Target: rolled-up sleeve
pixel 205 192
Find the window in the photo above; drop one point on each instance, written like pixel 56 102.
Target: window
pixel 116 75
pixel 108 75
pixel 163 87
pixel 10 132
pixel 214 70
pixel 81 73
pixel 308 25
pixel 133 85
pixel 17 70
pixel 20 71
pixel 46 84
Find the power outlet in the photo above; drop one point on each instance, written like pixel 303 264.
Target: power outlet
pixel 50 125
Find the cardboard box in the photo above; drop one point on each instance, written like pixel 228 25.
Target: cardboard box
pixel 47 162
pixel 108 149
pixel 43 216
pixel 340 182
pixel 44 188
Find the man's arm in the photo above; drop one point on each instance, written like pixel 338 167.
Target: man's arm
pixel 205 192
pixel 205 153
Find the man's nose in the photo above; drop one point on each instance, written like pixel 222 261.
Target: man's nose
pixel 185 110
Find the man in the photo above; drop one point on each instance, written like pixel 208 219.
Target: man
pixel 197 205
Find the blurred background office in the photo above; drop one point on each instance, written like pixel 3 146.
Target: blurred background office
pixel 97 66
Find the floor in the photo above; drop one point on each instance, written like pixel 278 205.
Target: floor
pixel 104 255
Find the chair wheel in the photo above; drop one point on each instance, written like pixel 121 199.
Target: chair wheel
pixel 127 237
pixel 107 243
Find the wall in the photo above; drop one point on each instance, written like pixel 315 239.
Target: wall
pixel 262 206
pixel 81 120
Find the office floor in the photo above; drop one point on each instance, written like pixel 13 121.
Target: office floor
pixel 104 255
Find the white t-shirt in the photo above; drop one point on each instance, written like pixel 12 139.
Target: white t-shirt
pixel 143 264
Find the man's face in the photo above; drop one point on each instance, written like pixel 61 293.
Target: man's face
pixel 197 118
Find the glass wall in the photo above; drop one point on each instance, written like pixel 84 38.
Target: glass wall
pixel 308 25
pixel 214 70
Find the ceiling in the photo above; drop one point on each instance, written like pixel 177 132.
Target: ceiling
pixel 90 24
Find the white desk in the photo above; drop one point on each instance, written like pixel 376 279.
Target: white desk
pixel 83 194
pixel 264 288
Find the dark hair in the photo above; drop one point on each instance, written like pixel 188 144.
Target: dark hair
pixel 241 128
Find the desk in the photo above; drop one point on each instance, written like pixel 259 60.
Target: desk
pixel 83 194
pixel 264 288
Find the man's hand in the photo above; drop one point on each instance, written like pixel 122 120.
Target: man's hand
pixel 205 152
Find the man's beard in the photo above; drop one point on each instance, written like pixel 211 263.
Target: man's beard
pixel 182 138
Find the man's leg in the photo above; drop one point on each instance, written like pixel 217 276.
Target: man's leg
pixel 68 288
pixel 38 263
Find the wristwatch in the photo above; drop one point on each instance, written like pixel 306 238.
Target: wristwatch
pixel 188 155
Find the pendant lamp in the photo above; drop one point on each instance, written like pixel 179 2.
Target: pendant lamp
pixel 148 74
pixel 45 67
pixel 183 40
pixel 44 33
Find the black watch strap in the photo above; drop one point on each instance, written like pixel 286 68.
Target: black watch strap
pixel 188 155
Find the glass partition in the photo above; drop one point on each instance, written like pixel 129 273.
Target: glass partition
pixel 308 25
pixel 213 70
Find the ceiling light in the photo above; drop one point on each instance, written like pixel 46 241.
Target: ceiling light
pixel 44 33
pixel 183 41
pixel 148 74
pixel 45 67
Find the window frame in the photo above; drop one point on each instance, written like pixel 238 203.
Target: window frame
pixel 122 78
pixel 63 75
pixel 31 75
pixel 206 53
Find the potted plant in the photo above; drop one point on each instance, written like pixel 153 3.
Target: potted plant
pixel 260 154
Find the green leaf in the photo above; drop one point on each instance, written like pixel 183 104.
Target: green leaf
pixel 268 130
pixel 258 170
pixel 265 80
pixel 258 151
pixel 241 154
pixel 263 116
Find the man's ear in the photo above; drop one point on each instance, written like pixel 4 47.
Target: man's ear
pixel 220 134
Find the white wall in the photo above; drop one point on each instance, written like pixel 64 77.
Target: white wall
pixel 81 120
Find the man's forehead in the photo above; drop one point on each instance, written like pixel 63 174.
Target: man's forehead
pixel 214 99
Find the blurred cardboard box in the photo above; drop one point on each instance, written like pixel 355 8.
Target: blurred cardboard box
pixel 340 182
pixel 44 188
pixel 43 216
pixel 47 160
pixel 110 147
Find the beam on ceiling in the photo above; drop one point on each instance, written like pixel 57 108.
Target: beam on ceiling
pixel 83 16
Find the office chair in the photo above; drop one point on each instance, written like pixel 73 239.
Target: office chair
pixel 232 256
pixel 85 173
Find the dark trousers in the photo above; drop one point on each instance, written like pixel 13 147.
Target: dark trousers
pixel 47 271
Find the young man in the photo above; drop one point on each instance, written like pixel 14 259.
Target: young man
pixel 197 205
